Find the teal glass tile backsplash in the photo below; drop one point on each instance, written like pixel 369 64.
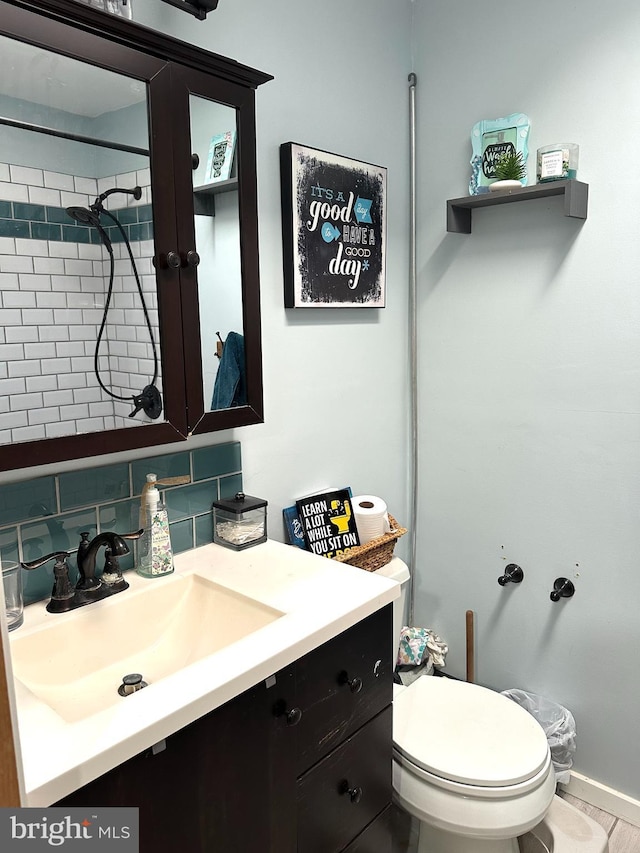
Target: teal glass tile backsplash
pixel 35 212
pixel 182 536
pixel 223 458
pixel 171 465
pixel 189 501
pixel 123 516
pixel 79 488
pixel 42 222
pixel 11 228
pixel 204 529
pixel 56 533
pixel 29 499
pixel 48 514
pixel 230 486
pixel 9 543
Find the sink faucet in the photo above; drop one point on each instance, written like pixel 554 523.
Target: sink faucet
pixel 88 588
pixel 88 551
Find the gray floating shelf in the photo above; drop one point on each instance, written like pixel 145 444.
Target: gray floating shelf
pixel 204 195
pixel 576 195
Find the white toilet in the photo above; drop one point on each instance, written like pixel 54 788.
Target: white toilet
pixel 472 766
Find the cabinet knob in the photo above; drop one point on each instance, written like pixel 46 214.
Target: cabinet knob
pixel 355 684
pixel 171 260
pixel 291 715
pixel 193 258
pixel 294 716
pixel 355 793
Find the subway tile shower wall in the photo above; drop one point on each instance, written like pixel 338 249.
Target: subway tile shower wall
pixel 48 514
pixel 54 278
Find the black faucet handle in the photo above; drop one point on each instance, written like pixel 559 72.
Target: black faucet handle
pixel 136 535
pixel 60 557
pixel 62 589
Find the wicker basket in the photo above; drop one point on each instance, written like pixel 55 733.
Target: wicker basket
pixel 376 553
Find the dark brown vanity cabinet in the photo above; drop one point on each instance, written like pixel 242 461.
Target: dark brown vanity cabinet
pixel 301 762
pixel 88 98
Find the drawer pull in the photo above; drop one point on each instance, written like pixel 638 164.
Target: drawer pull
pixel 355 684
pixel 292 716
pixel 355 794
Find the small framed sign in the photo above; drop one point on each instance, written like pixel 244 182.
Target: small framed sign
pixel 220 159
pixel 334 229
pixel 328 524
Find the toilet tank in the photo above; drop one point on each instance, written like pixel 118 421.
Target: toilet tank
pixel 397 570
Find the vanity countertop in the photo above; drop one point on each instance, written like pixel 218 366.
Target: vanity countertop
pixel 319 598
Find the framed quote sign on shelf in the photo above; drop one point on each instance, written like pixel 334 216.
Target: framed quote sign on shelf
pixel 334 229
pixel 220 159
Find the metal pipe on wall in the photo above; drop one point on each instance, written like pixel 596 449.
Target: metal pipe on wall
pixel 413 338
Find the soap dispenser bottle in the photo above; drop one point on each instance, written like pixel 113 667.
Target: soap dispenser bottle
pixel 155 555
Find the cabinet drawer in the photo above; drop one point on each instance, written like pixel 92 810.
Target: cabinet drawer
pixel 345 791
pixel 342 684
pixel 376 838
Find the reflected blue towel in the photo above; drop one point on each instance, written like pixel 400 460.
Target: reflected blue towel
pixel 230 385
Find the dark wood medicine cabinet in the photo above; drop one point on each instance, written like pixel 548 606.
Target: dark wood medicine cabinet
pixel 85 87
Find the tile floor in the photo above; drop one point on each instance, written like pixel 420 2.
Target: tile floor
pixel 623 836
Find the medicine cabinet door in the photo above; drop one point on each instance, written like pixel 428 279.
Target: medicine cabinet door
pixel 215 180
pixel 106 342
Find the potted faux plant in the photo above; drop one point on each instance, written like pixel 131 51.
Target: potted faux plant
pixel 509 170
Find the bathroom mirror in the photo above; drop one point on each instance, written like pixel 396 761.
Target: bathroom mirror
pixel 215 182
pixel 68 133
pixel 128 238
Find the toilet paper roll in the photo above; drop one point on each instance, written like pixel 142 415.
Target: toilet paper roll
pixel 372 519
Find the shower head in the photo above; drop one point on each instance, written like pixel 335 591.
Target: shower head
pixel 84 216
pixel 149 399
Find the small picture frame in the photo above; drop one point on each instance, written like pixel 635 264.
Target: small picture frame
pixel 334 229
pixel 220 159
pixel 490 138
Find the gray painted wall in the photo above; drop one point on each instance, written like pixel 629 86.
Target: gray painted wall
pixel 529 340
pixel 24 148
pixel 529 366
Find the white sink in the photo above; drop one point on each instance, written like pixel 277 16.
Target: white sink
pixel 76 662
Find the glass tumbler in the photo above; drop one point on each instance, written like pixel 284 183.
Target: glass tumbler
pixel 12 583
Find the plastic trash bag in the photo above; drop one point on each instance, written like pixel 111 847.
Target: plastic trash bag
pixel 559 726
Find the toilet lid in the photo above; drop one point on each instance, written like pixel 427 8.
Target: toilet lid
pixel 467 733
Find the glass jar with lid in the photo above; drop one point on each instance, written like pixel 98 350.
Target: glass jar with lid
pixel 240 522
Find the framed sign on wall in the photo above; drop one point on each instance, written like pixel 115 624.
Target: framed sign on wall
pixel 334 229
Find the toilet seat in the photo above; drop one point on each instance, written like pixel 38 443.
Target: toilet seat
pixel 471 790
pixel 468 739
